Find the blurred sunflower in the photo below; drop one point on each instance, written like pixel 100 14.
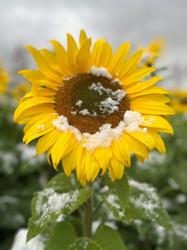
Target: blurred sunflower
pixel 153 51
pixel 4 80
pixel 179 100
pixel 90 107
pixel 18 91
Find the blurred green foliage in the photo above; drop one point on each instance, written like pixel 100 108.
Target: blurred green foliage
pixel 22 174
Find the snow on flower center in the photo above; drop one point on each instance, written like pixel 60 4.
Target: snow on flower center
pixel 98 100
pixel 90 100
pixel 106 134
pixel 98 94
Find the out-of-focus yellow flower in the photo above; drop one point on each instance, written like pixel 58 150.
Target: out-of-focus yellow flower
pixel 4 80
pixel 20 90
pixel 153 51
pixel 179 100
pixel 90 108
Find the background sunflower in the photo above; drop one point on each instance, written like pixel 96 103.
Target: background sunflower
pixel 179 100
pixel 4 80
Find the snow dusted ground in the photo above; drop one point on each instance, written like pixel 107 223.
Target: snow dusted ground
pixel 19 243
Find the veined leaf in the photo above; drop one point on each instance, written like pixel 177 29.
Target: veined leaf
pixel 108 239
pixel 48 205
pixel 61 236
pixel 144 203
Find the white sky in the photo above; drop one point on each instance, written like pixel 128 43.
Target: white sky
pixel 24 22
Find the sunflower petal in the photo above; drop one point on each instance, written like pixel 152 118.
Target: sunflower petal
pixel 131 64
pixel 157 122
pixel 158 141
pixel 140 86
pixel 62 57
pixel 43 65
pixel 118 58
pixel 62 147
pixel 82 38
pixel 116 169
pixel 82 59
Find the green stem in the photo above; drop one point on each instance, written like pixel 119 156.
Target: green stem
pixel 97 209
pixel 87 219
pixel 166 190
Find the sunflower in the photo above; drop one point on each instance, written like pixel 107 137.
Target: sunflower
pixel 4 79
pixel 91 108
pixel 153 51
pixel 179 100
pixel 18 91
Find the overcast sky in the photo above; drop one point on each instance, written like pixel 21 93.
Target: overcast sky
pixel 35 22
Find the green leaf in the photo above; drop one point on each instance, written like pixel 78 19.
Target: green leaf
pixel 105 238
pixel 60 183
pixel 108 239
pixel 48 204
pixel 61 236
pixel 179 174
pixel 115 196
pixel 84 243
pixel 144 203
pixel 120 188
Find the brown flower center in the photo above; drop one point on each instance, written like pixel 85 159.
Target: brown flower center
pixel 183 100
pixel 89 101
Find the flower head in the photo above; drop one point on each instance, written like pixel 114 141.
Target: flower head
pixel 19 90
pixel 90 107
pixel 153 51
pixel 179 100
pixel 4 79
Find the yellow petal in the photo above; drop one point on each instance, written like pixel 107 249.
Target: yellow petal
pixel 96 52
pixel 136 76
pixel 47 141
pixel 69 162
pixel 38 79
pixel 105 55
pixel 157 122
pixel 43 65
pixel 82 38
pixel 62 147
pixel 91 166
pixel 38 126
pixel 27 114
pixel 150 91
pixel 161 109
pixel 103 156
pixel 151 99
pixel 83 55
pixel 140 86
pixel 136 146
pixel 131 64
pixel 159 143
pixel 121 151
pixel 31 103
pixel 145 138
pixel 52 61
pixel 116 169
pixel 72 50
pixel 118 58
pixel 62 57
pixel 80 162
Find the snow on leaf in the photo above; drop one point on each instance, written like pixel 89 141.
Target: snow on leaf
pixel 144 203
pixel 50 202
pixel 48 205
